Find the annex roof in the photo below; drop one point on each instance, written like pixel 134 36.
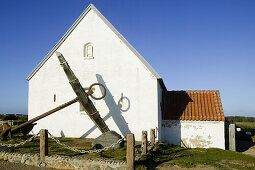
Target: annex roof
pixel 91 6
pixel 193 105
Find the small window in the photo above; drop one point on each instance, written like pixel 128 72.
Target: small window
pixel 88 51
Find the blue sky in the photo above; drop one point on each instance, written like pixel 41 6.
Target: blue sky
pixel 192 44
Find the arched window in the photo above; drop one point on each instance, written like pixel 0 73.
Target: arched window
pixel 88 51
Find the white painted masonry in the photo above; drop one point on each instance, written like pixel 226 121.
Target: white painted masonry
pixel 194 134
pixel 116 64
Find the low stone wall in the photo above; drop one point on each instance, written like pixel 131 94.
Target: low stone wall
pixel 63 162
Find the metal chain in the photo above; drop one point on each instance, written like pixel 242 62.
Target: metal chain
pixel 148 144
pixel 142 145
pixel 21 143
pixel 85 151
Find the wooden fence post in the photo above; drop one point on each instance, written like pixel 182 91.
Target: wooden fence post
pixel 144 142
pixel 152 137
pixel 43 144
pixel 130 155
pixel 232 137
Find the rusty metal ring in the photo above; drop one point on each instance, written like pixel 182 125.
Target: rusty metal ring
pixel 90 91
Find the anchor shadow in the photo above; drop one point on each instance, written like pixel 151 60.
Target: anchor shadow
pixel 114 111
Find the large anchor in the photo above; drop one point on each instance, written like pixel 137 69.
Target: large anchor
pixel 83 98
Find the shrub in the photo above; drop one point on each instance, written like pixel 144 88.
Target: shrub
pixel 253 138
pixel 10 117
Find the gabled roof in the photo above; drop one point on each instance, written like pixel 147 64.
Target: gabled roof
pixel 91 6
pixel 193 105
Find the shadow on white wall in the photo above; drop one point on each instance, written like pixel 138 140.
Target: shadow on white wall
pixel 114 111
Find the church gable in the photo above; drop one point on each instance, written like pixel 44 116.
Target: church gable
pixel 96 52
pixel 88 49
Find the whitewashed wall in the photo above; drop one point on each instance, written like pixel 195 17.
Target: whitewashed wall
pixel 114 65
pixel 193 134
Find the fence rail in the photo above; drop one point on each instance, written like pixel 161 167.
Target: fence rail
pixel 21 143
pixel 85 151
pixel 130 140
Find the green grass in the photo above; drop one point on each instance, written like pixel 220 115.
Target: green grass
pixel 164 155
pixel 54 148
pixel 246 125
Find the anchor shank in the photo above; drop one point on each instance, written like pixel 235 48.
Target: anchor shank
pixel 82 96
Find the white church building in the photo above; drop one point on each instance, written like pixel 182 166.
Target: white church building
pixel 97 52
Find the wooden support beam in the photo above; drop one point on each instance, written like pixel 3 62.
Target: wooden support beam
pixel 43 144
pixel 130 155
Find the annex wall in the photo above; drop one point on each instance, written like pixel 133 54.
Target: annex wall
pixel 194 134
pixel 131 103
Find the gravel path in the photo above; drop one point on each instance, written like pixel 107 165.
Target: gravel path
pixel 4 165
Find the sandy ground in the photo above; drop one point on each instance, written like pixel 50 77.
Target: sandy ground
pixel 246 147
pixel 250 151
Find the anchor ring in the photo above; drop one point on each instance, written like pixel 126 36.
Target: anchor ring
pixel 90 91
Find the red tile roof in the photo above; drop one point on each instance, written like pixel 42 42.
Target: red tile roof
pixel 193 105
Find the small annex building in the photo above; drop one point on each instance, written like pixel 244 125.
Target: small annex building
pixel 136 97
pixel 194 119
